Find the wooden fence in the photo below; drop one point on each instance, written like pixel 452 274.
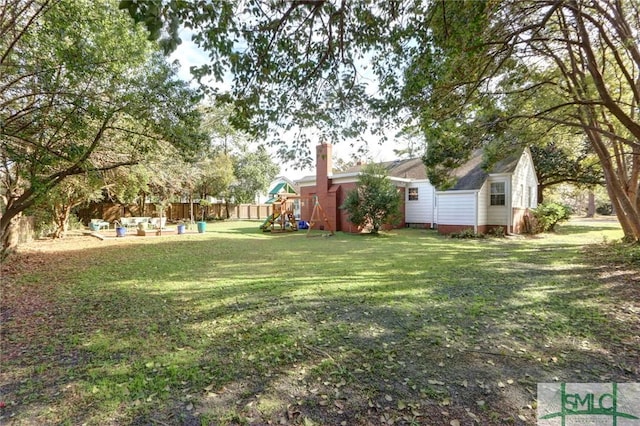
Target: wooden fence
pixel 175 211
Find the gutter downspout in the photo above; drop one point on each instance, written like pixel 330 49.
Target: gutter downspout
pixel 434 211
pixel 509 208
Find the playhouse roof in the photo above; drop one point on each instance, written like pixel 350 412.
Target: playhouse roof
pixel 283 187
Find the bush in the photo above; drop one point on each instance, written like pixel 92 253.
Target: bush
pixel 375 201
pixel 497 232
pixel 605 209
pixel 466 233
pixel 548 215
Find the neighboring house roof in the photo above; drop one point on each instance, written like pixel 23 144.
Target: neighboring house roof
pixel 471 175
pixel 412 168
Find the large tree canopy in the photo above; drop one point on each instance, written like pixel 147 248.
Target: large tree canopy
pixel 461 71
pixel 539 66
pixel 297 66
pixel 81 92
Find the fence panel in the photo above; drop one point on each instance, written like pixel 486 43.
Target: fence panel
pixel 175 211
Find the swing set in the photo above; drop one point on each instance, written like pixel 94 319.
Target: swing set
pixel 283 219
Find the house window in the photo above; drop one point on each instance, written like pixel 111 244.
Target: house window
pixel 413 194
pixel 497 194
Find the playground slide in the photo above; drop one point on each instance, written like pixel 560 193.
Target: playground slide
pixel 269 221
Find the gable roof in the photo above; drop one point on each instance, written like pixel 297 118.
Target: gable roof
pixel 412 168
pixel 282 187
pixel 471 174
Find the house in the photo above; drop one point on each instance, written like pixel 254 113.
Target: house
pixel 487 199
pixel 480 200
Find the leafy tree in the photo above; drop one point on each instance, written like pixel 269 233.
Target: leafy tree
pixel 295 64
pixel 555 165
pixel 70 193
pixel 375 200
pixel 217 175
pixel 550 64
pixel 549 215
pixel 129 184
pixel 82 92
pixel 254 171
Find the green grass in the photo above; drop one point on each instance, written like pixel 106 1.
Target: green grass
pixel 241 327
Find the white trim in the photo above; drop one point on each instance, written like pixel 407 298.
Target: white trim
pixel 475 225
pixel 457 191
pixel 349 178
pixel 509 205
pixel 344 175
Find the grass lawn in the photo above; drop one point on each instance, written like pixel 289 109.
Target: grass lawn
pixel 237 326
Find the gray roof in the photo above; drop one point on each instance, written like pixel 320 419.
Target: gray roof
pixel 471 175
pixel 412 168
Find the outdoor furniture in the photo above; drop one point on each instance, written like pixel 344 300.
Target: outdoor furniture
pixel 98 224
pixel 155 223
pixel 133 221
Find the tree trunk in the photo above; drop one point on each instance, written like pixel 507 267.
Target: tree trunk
pixel 591 204
pixel 191 216
pixel 540 194
pixel 8 234
pixel 61 215
pixel 624 207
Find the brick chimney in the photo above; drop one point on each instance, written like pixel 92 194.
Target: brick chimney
pixel 324 167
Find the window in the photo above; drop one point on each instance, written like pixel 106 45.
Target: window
pixel 497 194
pixel 413 194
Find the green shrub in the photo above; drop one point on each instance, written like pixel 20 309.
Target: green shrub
pixel 466 233
pixel 605 209
pixel 496 232
pixel 548 215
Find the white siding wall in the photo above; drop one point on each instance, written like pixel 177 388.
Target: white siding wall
pixel 524 183
pixel 483 204
pixel 456 208
pixel 497 215
pixel 420 211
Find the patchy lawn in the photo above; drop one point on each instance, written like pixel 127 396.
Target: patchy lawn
pixel 240 327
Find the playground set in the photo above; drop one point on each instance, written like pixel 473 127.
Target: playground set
pixel 283 219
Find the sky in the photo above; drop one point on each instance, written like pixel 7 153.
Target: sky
pixel 188 55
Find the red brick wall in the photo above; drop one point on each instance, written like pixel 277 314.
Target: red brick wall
pixel 343 216
pixel 331 196
pixel 331 201
pixel 306 206
pixel 519 224
pixel 449 229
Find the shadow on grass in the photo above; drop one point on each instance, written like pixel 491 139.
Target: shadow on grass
pixel 221 330
pixel 581 229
